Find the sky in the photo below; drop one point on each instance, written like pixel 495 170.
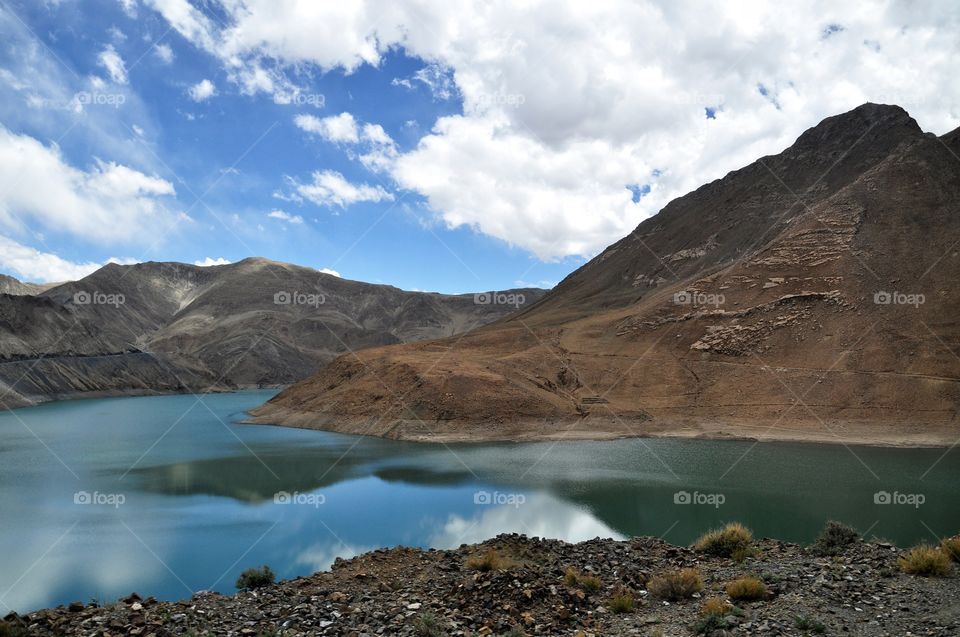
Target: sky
pixel 426 144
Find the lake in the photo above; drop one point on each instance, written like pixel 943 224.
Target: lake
pixel 168 495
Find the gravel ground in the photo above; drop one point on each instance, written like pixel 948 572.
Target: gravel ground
pixel 406 591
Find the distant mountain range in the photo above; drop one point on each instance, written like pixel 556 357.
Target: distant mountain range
pixel 811 295
pixel 172 327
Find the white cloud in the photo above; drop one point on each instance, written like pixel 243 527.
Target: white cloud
pixel 113 63
pixel 331 272
pixel 108 202
pixel 207 262
pixel 284 216
pixel 202 90
pixel 336 128
pixel 129 7
pixel 29 264
pixel 330 188
pixel 565 104
pixel 164 53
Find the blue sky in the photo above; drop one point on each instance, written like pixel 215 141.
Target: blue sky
pixel 428 145
pixel 227 156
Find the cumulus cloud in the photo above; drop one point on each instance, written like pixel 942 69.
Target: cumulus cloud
pixel 108 202
pixel 285 216
pixel 330 272
pixel 336 128
pixel 164 53
pixel 330 188
pixel 30 264
pixel 110 60
pixel 207 262
pixel 567 104
pixel 202 91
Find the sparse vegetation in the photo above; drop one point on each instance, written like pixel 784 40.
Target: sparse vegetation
pixel 747 589
pixel 834 538
pixel 429 626
pixel 724 542
pixel 489 561
pixel 714 615
pixel 256 578
pixel 676 585
pixel 926 560
pixel 8 629
pixel 951 546
pixel 574 578
pixel 622 601
pixel 809 624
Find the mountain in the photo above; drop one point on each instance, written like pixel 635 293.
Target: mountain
pixel 163 327
pixel 810 295
pixel 10 285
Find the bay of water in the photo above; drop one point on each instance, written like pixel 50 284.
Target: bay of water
pixel 169 495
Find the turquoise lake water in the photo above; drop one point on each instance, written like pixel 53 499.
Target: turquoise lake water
pixel 169 495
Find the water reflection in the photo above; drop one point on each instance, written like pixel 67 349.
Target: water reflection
pixel 199 495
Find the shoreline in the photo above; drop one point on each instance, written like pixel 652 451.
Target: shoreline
pixel 898 436
pixel 519 585
pixel 579 430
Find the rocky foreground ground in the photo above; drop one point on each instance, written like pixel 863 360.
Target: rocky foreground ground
pixel 547 587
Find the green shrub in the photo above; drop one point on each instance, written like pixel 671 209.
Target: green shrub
pixel 429 626
pixel 747 589
pixel 725 542
pixel 676 585
pixel 834 538
pixel 809 624
pixel 927 561
pixel 256 578
pixel 715 615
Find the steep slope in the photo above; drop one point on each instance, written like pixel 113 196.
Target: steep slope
pixel 176 327
pixel 810 295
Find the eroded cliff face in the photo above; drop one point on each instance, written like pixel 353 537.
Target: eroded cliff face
pixel 169 327
pixel 810 295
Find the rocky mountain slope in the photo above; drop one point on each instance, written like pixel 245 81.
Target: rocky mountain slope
pixel 810 295
pixel 159 327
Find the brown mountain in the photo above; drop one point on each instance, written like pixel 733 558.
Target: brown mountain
pixel 810 295
pixel 163 327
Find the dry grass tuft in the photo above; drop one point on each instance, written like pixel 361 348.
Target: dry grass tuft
pixel 927 561
pixel 747 589
pixel 676 585
pixel 725 542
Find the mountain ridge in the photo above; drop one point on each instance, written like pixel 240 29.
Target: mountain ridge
pixel 168 326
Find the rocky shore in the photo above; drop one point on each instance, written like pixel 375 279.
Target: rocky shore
pixel 516 585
